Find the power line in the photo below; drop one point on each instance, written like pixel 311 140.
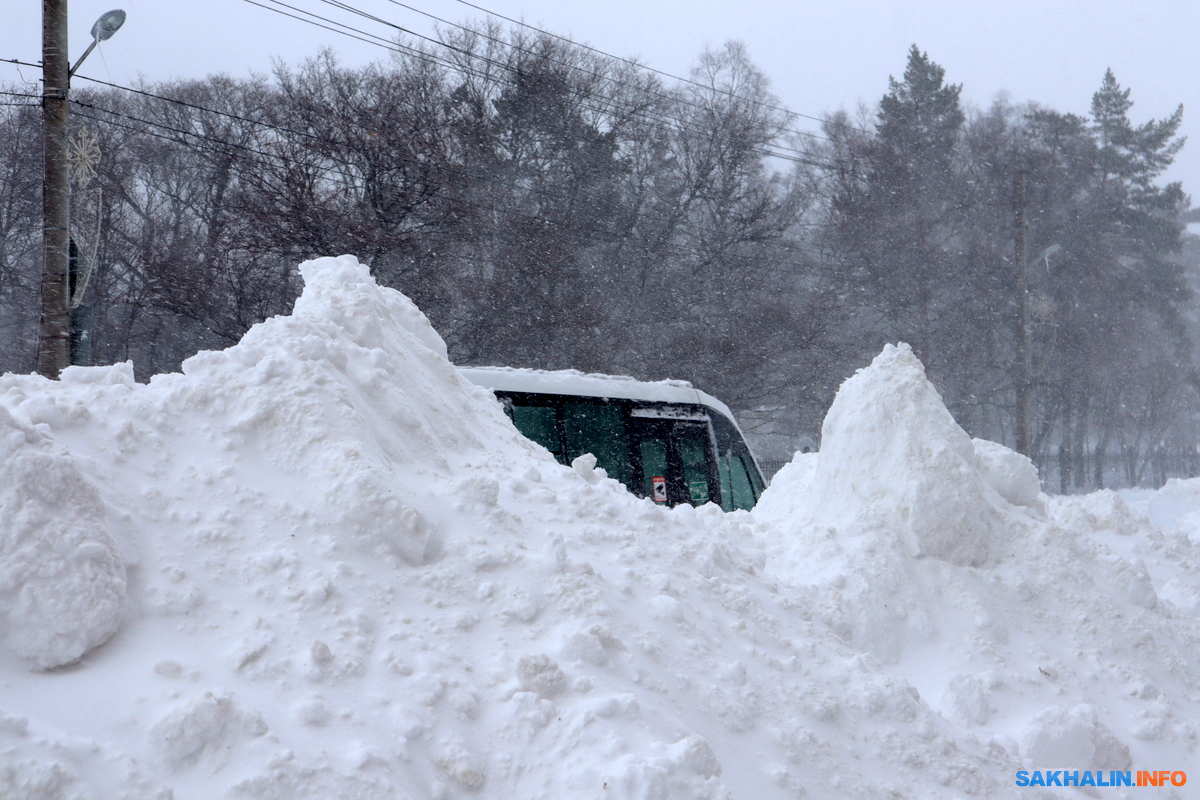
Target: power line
pixel 261 123
pixel 264 158
pixel 665 74
pixel 765 151
pixel 383 42
pixel 301 133
pixel 229 115
pixel 574 67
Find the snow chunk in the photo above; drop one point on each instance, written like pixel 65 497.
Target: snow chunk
pixel 1012 475
pixel 538 673
pixel 62 584
pixel 461 766
pixel 967 698
pixel 113 375
pixel 375 517
pixel 694 753
pixel 1058 737
pixel 205 728
pixel 182 735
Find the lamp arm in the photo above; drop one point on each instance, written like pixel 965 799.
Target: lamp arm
pixel 90 48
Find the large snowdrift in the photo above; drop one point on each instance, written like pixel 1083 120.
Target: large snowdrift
pixel 320 565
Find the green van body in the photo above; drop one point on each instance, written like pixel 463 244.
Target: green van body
pixel 666 440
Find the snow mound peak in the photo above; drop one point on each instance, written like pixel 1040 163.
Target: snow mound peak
pixel 341 291
pixel 893 460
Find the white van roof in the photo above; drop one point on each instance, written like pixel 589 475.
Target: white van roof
pixel 582 384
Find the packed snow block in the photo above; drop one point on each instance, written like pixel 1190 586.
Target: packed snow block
pixel 1174 508
pixel 1059 737
pixel 62 583
pixel 208 727
pixel 1012 475
pixel 373 517
pixel 893 459
pixel 967 698
pixel 120 374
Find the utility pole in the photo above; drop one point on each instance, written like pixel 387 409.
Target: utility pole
pixel 54 346
pixel 54 350
pixel 1021 281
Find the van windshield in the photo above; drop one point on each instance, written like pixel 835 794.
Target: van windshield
pixel 741 485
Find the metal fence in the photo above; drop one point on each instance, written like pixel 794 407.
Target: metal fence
pixel 1073 471
pixel 770 466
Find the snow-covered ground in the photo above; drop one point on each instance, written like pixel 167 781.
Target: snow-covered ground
pixel 320 564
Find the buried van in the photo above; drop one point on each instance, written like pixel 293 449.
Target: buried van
pixel 665 440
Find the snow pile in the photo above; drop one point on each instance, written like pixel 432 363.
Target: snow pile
pixel 1059 630
pixel 350 577
pixel 894 461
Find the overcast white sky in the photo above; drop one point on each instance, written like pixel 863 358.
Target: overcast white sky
pixel 819 56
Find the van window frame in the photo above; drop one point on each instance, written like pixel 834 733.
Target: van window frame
pixel 721 437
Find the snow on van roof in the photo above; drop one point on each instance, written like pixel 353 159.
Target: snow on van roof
pixel 584 384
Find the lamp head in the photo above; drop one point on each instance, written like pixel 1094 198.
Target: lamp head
pixel 108 24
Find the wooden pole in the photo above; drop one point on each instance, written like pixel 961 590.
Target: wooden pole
pixel 54 350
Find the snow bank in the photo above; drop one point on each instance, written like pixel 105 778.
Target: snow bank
pixel 348 576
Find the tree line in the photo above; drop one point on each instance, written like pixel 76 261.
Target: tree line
pixel 548 206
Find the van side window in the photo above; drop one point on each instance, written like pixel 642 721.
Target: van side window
pixel 670 452
pixel 695 470
pixel 599 429
pixel 726 484
pixel 539 423
pixel 756 481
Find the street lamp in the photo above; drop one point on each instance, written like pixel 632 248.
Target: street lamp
pixel 102 30
pixel 54 348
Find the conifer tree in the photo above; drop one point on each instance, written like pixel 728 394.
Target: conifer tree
pixel 901 227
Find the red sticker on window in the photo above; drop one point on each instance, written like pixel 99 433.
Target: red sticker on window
pixel 660 489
